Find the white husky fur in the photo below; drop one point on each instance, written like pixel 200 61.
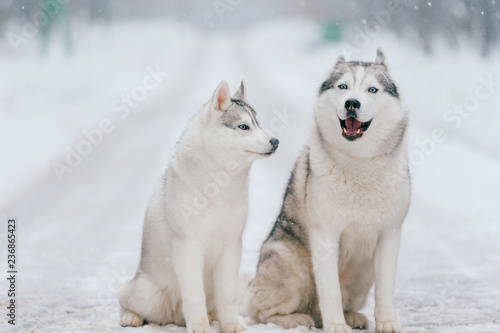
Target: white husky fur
pixel 339 228
pixel 191 243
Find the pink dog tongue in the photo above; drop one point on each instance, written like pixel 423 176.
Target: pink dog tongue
pixel 352 126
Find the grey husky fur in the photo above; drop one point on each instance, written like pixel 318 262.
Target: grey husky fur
pixel 339 228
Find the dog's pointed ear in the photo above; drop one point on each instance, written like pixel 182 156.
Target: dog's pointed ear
pixel 241 93
pixel 380 60
pixel 340 60
pixel 222 97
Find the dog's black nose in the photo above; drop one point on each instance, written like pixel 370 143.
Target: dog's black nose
pixel 275 142
pixel 352 104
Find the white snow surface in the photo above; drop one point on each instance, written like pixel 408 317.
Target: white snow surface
pixel 79 239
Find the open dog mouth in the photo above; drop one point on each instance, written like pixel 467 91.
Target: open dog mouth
pixel 353 129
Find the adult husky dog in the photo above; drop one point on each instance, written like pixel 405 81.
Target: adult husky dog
pixel 339 227
pixel 191 242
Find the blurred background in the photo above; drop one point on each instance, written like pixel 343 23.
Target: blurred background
pixel 474 21
pixel 94 95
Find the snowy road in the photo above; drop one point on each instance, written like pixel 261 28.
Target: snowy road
pixel 79 239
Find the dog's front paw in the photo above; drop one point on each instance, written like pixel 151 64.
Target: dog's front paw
pixel 338 328
pixel 356 320
pixel 202 327
pixel 391 326
pixel 233 327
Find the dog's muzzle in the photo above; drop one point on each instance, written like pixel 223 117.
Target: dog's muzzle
pixel 353 129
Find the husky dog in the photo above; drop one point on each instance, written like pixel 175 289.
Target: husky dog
pixel 339 227
pixel 191 242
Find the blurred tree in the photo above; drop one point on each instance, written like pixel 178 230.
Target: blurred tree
pixel 477 21
pixel 332 31
pixel 489 28
pixel 53 11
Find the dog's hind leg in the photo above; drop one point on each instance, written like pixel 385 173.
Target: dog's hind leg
pixel 283 288
pixel 128 299
pixel 129 318
pixel 356 281
pixel 142 300
pixel 292 320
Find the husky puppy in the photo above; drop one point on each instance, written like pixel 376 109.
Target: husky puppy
pixel 339 227
pixel 191 242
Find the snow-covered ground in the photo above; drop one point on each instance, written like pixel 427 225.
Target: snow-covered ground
pixel 79 238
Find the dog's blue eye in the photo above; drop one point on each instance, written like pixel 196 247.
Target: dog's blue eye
pixel 342 86
pixel 372 90
pixel 244 127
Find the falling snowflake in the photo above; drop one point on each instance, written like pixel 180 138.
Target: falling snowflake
pixel 429 4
